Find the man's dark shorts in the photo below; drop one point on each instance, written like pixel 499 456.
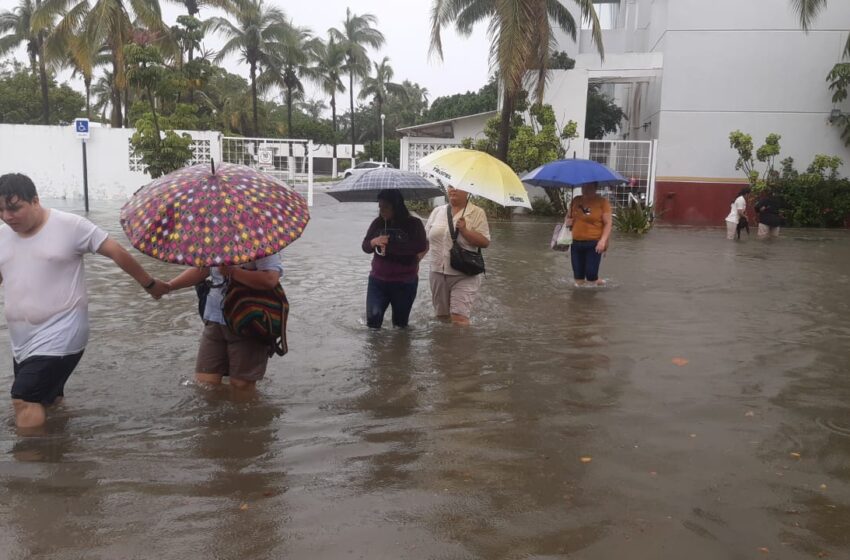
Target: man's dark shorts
pixel 41 379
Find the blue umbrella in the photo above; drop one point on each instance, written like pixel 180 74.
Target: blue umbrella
pixel 364 187
pixel 572 173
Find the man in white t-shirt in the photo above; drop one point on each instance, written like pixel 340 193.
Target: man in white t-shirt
pixel 46 305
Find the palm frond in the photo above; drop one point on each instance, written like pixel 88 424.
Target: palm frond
pixel 807 11
pixel 589 15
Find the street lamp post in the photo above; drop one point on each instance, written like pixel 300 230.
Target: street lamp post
pixel 383 118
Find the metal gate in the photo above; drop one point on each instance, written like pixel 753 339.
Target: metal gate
pixel 286 159
pixel 634 160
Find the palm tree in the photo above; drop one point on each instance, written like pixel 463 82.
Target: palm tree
pixel 256 35
pixel 808 10
pixel 289 62
pixel 356 34
pixel 521 38
pixel 312 107
pixel 379 87
pixel 21 25
pixel 329 64
pixel 101 90
pixel 111 23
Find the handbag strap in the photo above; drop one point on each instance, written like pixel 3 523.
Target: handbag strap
pixel 450 219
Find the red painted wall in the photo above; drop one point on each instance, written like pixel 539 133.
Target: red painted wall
pixel 693 203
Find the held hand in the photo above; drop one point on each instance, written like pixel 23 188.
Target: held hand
pixel 380 241
pixel 461 225
pixel 159 289
pixel 602 246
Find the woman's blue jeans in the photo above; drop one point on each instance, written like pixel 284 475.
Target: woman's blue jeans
pixel 381 294
pixel 585 260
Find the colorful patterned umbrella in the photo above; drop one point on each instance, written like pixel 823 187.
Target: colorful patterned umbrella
pixel 202 216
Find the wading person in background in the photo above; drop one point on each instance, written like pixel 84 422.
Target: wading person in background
pixel 453 293
pixel 398 242
pixel 43 277
pixel 768 211
pixel 590 218
pixel 221 353
pixel 737 213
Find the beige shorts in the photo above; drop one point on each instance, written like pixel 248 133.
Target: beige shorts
pixel 223 353
pixel 454 294
pixel 731 228
pixel 767 231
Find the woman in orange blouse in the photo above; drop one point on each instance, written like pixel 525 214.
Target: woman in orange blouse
pixel 590 219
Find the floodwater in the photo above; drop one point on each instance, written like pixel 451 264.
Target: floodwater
pixel 558 426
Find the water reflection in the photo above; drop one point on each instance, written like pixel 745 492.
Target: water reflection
pixel 465 443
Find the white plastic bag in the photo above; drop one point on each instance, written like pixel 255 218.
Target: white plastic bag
pixel 562 238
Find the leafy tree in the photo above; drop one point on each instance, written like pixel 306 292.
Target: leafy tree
pixel 521 36
pixel 743 144
pixel 160 156
pixel 463 104
pixel 357 33
pixel 113 23
pixel 256 35
pixel 25 25
pixel 329 64
pixel 379 87
pixel 20 102
pixel 603 114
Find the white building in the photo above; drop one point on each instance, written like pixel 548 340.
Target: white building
pixel 689 72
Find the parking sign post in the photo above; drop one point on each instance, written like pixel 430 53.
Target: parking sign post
pixel 81 129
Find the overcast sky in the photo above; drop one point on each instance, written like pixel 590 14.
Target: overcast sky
pixel 404 23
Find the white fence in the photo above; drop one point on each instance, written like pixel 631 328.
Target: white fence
pixel 52 157
pixel 634 160
pixel 415 148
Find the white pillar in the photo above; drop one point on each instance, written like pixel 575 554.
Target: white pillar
pixel 310 173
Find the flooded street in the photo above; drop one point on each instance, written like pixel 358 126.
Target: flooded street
pixel 699 408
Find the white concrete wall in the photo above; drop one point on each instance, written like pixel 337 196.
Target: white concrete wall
pixel 567 94
pixel 52 157
pixel 727 65
pixel 745 65
pixel 470 128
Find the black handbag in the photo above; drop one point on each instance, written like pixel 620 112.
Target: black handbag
pixel 470 263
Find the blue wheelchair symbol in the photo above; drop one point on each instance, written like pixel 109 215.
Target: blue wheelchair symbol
pixel 82 126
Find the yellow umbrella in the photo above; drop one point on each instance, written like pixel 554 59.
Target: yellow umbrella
pixel 477 173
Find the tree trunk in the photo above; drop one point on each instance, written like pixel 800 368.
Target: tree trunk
pixel 155 118
pixel 42 74
pixel 289 116
pixel 116 97
pixel 505 127
pixel 351 98
pixel 127 106
pixel 254 96
pixel 42 78
pixel 87 82
pixel 333 119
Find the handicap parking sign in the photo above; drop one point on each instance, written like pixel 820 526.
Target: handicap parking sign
pixel 81 128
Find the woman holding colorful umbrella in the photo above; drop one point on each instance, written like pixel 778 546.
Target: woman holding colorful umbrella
pixel 229 224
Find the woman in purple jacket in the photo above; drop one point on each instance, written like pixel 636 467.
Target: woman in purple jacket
pixel 398 242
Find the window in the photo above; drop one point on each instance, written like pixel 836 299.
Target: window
pixel 608 12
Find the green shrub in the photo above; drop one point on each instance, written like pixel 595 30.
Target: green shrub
pixel 493 210
pixel 543 207
pixel 816 198
pixel 421 207
pixel 634 218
